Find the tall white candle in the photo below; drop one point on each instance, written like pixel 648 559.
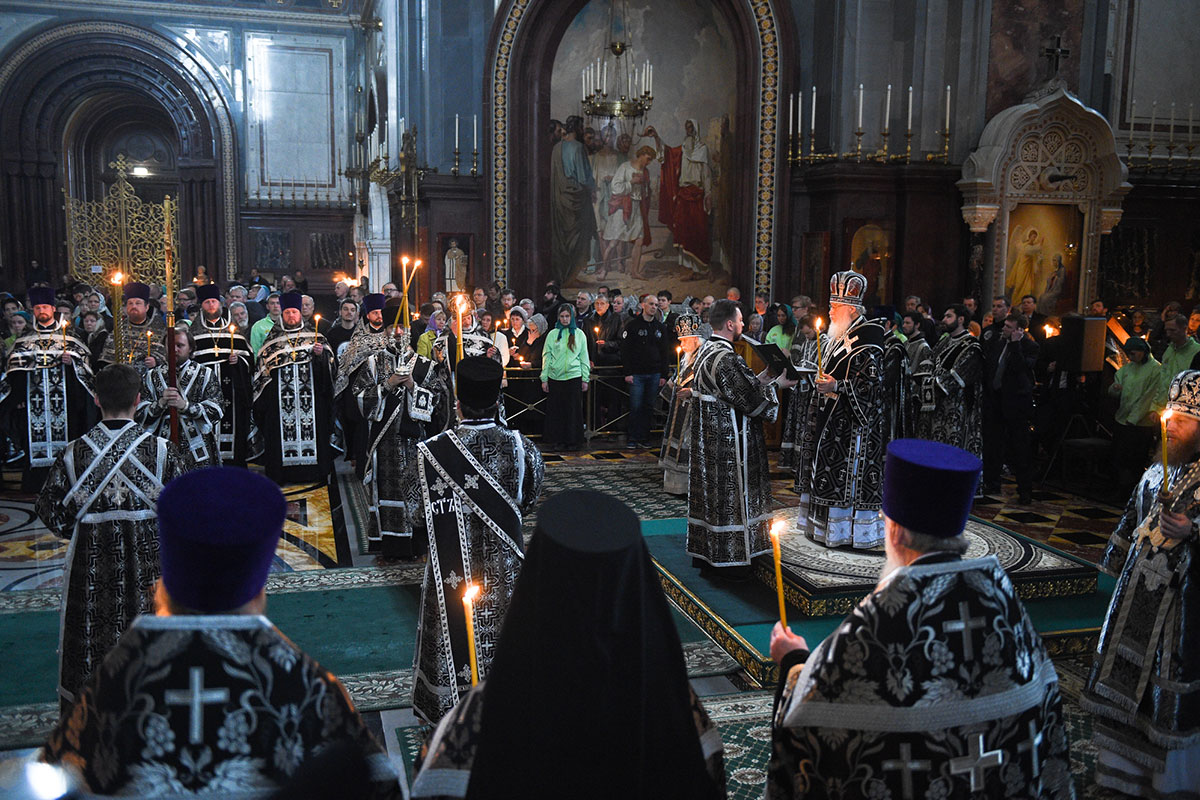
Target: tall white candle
pixel 651 79
pixel 456 131
pixel 475 130
pixel 860 105
pixel 791 121
pixel 583 80
pixel 909 128
pixel 629 84
pixel 1171 128
pixel 887 109
pixel 604 79
pixel 800 117
pixel 812 116
pixel 947 128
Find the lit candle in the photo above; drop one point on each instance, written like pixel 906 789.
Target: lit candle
pixel 776 530
pixel 232 328
pixel 459 306
pixel 860 105
pixel 317 323
pixel 403 282
pixel 1166 484
pixel 469 607
pixel 63 325
pixel 887 109
pixel 910 108
pixel 678 352
pixel 817 322
pixel 1049 330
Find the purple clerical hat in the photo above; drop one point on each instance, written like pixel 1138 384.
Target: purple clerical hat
pixel 928 487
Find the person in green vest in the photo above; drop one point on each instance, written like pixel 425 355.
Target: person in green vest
pixel 1181 349
pixel 1137 385
pixel 258 333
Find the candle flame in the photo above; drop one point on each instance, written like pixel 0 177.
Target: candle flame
pixel 63 323
pixel 1166 415
pixel 404 261
pixel 118 278
pixel 471 592
pixel 678 349
pixel 232 327
pixel 777 529
pixel 817 323
pixel 416 265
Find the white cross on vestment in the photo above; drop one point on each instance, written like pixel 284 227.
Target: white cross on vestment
pixel 471 481
pixel 196 697
pixel 1031 746
pixel 976 761
pixel 452 579
pixel 907 766
pixel 964 625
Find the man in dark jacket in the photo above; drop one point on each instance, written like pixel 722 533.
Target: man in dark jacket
pixel 1009 356
pixel 644 343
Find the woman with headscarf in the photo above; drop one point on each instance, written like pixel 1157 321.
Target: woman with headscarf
pixel 587 696
pixel 566 370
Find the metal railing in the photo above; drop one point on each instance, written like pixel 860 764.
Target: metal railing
pixel 525 403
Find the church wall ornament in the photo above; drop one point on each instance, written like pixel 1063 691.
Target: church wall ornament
pixel 511 45
pixel 1051 150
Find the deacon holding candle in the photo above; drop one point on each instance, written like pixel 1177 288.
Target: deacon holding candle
pixel 1143 686
pixel 839 480
pixel 475 482
pixel 729 496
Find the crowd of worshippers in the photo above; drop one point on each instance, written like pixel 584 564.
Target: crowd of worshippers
pixel 172 678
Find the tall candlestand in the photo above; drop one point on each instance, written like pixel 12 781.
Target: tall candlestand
pixel 856 153
pixel 943 156
pixel 813 156
pixel 1150 153
pixel 454 169
pixel 906 156
pixel 882 153
pixel 1170 155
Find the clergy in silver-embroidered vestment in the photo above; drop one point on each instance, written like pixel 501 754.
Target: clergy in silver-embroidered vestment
pixel 196 398
pixel 936 685
pixel 1144 687
pixel 205 697
pixel 839 474
pixel 143 331
pixel 729 494
pixel 101 494
pixel 477 480
pixel 675 457
pixel 804 358
pixel 224 349
pixel 47 389
pixel 952 408
pixel 402 398
pixel 369 337
pixel 293 399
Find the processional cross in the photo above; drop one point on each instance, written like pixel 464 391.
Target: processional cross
pixel 196 697
pixel 1056 54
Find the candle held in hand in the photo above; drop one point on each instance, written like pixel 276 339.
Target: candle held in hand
pixel 1166 484
pixel 232 328
pixel 469 596
pixel 817 322
pixel 776 532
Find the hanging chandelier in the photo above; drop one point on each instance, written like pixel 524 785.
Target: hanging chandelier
pixel 624 91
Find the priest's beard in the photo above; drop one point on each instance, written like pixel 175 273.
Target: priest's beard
pixel 838 324
pixel 1183 445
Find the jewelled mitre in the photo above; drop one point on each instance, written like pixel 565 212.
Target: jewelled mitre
pixel 687 325
pixel 848 288
pixel 1184 395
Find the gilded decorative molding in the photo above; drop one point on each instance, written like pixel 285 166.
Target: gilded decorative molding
pixel 766 131
pixel 208 90
pixel 979 216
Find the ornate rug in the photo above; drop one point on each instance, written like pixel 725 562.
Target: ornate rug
pixel 820 580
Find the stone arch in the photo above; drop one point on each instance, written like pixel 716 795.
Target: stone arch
pixel 523 44
pixel 42 83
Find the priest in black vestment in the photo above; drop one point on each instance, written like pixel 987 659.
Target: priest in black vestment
pixel 100 494
pixel 293 399
pixel 206 696
pixel 143 331
pixel 47 389
pixel 936 684
pixel 225 349
pixel 477 480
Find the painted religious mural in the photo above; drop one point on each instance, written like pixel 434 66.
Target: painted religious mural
pixel 643 205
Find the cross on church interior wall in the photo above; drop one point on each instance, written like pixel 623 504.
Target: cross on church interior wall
pixel 1056 54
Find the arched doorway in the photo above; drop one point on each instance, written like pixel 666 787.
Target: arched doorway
pixel 75 95
pixel 524 43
